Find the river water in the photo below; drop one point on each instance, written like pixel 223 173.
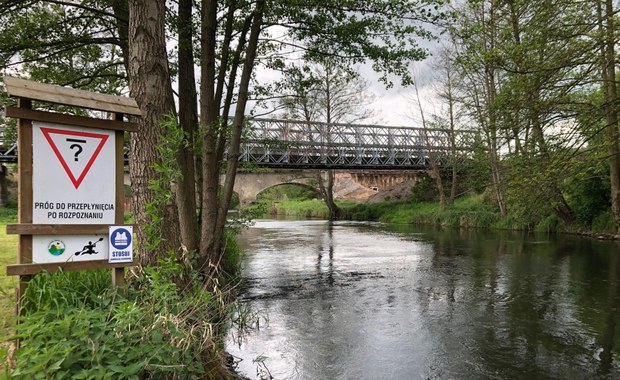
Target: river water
pixel 349 300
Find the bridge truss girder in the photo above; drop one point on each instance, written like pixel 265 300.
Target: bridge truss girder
pixel 299 144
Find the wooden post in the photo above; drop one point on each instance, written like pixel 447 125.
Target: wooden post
pixel 118 274
pixel 24 198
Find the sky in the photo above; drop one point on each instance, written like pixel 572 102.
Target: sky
pixel 396 106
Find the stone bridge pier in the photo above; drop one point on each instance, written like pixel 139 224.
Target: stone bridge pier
pixel 348 184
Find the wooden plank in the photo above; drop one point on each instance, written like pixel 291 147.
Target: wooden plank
pixel 30 269
pixel 22 88
pixel 119 216
pixel 118 274
pixel 24 198
pixel 80 121
pixel 24 186
pixel 56 229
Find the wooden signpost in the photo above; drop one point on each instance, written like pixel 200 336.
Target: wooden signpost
pixel 70 182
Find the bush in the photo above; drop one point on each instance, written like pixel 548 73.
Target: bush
pixel 77 327
pixel 425 189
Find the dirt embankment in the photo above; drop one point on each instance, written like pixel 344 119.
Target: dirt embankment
pixel 346 188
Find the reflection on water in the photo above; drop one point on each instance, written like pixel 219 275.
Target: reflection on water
pixel 351 300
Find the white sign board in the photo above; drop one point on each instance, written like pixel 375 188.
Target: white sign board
pixel 73 175
pixel 121 244
pixel 62 249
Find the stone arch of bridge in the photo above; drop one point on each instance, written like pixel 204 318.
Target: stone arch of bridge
pixel 249 184
pixel 312 187
pixel 348 184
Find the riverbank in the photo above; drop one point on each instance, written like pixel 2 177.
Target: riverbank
pixel 78 327
pixel 474 211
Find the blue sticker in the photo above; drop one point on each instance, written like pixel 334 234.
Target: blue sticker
pixel 121 238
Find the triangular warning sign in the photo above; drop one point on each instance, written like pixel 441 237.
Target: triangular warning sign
pixel 76 151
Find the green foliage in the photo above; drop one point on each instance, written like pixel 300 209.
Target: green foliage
pixel 275 200
pixel 466 212
pixel 604 223
pixel 8 215
pixel 310 208
pixel 424 189
pixel 233 254
pixel 8 255
pixel 168 172
pixel 588 194
pixel 77 327
pixel 287 191
pixel 72 44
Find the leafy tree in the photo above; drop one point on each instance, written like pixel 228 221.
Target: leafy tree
pixel 525 61
pixel 311 30
pixel 67 43
pixel 93 44
pixel 329 94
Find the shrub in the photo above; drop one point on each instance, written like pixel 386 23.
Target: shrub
pixel 77 327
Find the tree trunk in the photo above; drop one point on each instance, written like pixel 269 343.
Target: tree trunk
pixel 188 120
pixel 607 27
pixel 208 122
pixel 237 129
pixel 214 208
pixel 435 173
pixel 491 91
pixel 328 193
pixel 149 82
pixel 4 187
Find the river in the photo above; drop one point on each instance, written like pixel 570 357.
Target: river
pixel 349 300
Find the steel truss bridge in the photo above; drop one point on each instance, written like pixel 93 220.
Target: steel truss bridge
pixel 300 144
pixel 311 145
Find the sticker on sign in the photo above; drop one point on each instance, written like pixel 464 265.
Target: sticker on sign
pixel 68 248
pixel 121 244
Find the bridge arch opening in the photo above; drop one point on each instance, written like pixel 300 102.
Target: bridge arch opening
pixel 288 191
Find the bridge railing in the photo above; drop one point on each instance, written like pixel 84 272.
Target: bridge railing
pixel 287 143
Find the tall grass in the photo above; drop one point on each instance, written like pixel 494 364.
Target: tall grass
pixel 8 255
pixel 471 211
pixel 78 327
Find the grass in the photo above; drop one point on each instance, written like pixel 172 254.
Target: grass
pixel 8 255
pixel 470 211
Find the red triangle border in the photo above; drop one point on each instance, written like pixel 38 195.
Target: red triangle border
pixel 76 181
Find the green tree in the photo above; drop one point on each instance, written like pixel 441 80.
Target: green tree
pixel 94 43
pixel 67 43
pixel 522 78
pixel 328 94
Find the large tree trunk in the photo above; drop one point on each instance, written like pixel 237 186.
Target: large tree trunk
pixel 149 82
pixel 606 25
pixel 188 120
pixel 237 128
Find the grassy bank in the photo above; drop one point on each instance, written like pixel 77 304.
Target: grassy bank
pixel 471 212
pixel 8 255
pixel 466 212
pixel 474 211
pixel 164 324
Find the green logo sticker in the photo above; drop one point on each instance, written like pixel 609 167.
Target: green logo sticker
pixel 56 247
